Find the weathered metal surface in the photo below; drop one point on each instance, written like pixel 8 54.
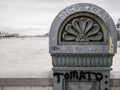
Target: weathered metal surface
pixel 92 12
pixel 96 78
pixel 82 60
pixel 82 44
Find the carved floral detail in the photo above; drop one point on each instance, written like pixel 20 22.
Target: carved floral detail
pixel 82 29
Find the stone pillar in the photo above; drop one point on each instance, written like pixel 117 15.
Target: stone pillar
pixel 82 44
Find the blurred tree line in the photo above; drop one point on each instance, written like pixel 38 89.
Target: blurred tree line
pixel 118 29
pixel 118 35
pixel 6 34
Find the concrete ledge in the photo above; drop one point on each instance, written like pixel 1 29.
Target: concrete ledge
pixel 39 82
pixel 26 82
pixel 115 82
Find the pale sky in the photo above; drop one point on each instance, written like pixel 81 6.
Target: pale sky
pixel 33 17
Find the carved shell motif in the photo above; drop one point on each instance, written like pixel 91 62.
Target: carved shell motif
pixel 82 29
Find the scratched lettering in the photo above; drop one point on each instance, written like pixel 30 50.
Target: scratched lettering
pixel 99 12
pixel 69 11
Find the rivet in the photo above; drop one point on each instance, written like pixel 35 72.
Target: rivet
pixel 105 89
pixel 106 76
pixel 106 82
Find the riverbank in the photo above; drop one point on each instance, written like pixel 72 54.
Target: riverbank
pixel 30 58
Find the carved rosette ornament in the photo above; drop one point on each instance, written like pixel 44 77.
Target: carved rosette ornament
pixel 82 29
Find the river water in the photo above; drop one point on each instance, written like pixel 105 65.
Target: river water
pixel 30 58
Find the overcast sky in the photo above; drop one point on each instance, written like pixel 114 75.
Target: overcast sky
pixel 35 16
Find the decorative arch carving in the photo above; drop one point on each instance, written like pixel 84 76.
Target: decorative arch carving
pixel 83 28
